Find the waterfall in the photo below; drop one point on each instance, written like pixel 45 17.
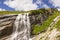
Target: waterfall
pixel 21 30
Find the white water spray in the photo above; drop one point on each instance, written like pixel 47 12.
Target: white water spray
pixel 21 29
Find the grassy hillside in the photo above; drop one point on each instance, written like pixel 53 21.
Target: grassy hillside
pixel 11 12
pixel 57 25
pixel 46 23
pixel 42 10
pixel 52 33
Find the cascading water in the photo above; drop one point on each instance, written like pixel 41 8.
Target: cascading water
pixel 21 29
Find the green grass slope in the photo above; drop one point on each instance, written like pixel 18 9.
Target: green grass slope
pixel 46 23
pixel 57 25
pixel 9 12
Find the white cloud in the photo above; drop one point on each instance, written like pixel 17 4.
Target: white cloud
pixel 40 3
pixel 58 9
pixel 24 5
pixel 2 9
pixel 55 3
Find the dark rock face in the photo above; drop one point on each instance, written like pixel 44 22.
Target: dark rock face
pixel 6 24
pixel 37 19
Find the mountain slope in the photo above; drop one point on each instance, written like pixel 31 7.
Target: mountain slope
pixel 45 24
pixel 53 31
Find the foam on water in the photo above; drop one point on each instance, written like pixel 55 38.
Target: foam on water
pixel 21 30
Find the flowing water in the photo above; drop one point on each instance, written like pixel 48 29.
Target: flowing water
pixel 21 30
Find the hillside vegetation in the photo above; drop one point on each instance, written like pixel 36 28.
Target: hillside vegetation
pixel 50 13
pixel 46 23
pixel 42 10
pixel 52 32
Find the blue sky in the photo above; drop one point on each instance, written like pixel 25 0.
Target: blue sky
pixel 3 6
pixel 44 2
pixel 28 4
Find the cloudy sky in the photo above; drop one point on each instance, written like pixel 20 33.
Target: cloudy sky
pixel 26 5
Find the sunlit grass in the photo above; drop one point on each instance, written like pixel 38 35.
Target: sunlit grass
pixel 12 12
pixel 57 25
pixel 46 23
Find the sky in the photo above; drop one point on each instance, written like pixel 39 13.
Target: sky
pixel 26 5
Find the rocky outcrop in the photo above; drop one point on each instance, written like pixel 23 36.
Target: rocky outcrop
pixel 52 33
pixel 6 24
pixel 37 19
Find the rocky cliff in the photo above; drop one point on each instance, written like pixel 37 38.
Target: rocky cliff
pixel 52 33
pixel 7 22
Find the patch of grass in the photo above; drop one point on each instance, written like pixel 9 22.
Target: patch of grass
pixel 46 23
pixel 11 12
pixel 57 25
